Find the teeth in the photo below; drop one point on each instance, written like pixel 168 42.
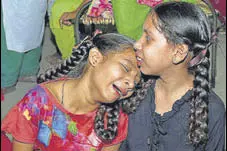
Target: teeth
pixel 118 90
pixel 138 58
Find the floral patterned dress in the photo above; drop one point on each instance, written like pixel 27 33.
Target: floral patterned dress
pixel 39 119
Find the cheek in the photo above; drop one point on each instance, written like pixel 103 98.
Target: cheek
pixel 151 56
pixel 157 52
pixel 108 76
pixel 156 59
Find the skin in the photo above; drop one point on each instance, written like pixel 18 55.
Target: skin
pixel 64 19
pixel 66 16
pixel 166 60
pixel 18 146
pixel 97 82
pixel 85 94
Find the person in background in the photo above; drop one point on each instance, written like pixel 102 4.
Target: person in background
pixel 22 29
pixel 84 112
pixel 61 33
pixel 99 12
pixel 180 112
pixel 127 15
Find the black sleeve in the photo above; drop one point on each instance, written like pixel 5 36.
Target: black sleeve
pixel 216 126
pixel 216 140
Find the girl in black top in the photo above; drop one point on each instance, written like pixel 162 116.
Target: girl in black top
pixel 179 112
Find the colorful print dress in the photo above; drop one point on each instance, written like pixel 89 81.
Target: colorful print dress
pixel 39 119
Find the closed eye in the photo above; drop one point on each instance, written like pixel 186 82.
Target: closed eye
pixel 125 67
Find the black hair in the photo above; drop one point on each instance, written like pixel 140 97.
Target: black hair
pixel 74 66
pixel 186 23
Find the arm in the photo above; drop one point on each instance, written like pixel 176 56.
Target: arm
pixel 19 146
pixel 216 140
pixel 64 19
pixel 112 148
pixel 22 121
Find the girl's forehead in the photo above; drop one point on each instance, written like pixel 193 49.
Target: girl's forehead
pixel 152 28
pixel 151 20
pixel 127 54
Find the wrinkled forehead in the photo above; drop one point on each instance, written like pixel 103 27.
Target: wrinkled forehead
pixel 127 54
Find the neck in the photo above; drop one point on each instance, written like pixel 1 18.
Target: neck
pixel 174 84
pixel 176 78
pixel 170 87
pixel 79 99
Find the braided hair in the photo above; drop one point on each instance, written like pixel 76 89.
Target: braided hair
pixel 76 63
pixel 79 56
pixel 185 23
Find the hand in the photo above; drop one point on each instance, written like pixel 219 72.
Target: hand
pixel 66 17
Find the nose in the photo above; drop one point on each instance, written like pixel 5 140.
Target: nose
pixel 130 82
pixel 138 45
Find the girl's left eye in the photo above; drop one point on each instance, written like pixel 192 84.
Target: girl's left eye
pixel 125 67
pixel 148 38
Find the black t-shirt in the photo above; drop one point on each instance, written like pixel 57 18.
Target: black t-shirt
pixel 151 131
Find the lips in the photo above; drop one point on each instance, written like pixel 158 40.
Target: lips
pixel 139 60
pixel 121 92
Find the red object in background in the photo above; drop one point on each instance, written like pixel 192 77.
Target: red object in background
pixel 150 3
pixel 2 95
pixel 220 5
pixel 6 144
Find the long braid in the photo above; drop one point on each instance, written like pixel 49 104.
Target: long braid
pixel 198 118
pixel 129 105
pixel 105 43
pixel 79 54
pixel 185 23
pixel 111 112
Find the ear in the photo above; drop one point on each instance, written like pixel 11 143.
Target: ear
pixel 95 57
pixel 180 53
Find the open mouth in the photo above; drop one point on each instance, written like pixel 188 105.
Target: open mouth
pixel 120 92
pixel 139 61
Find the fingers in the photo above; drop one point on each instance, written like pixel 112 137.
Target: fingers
pixel 61 23
pixel 65 20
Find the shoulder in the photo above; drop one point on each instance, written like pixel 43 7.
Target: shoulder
pixel 145 106
pixel 215 103
pixel 216 107
pixel 36 98
pixel 43 91
pixel 35 92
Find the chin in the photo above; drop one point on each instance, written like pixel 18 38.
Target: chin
pixel 148 72
pixel 144 71
pixel 109 99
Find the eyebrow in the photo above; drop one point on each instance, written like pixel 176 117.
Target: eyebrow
pixel 147 32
